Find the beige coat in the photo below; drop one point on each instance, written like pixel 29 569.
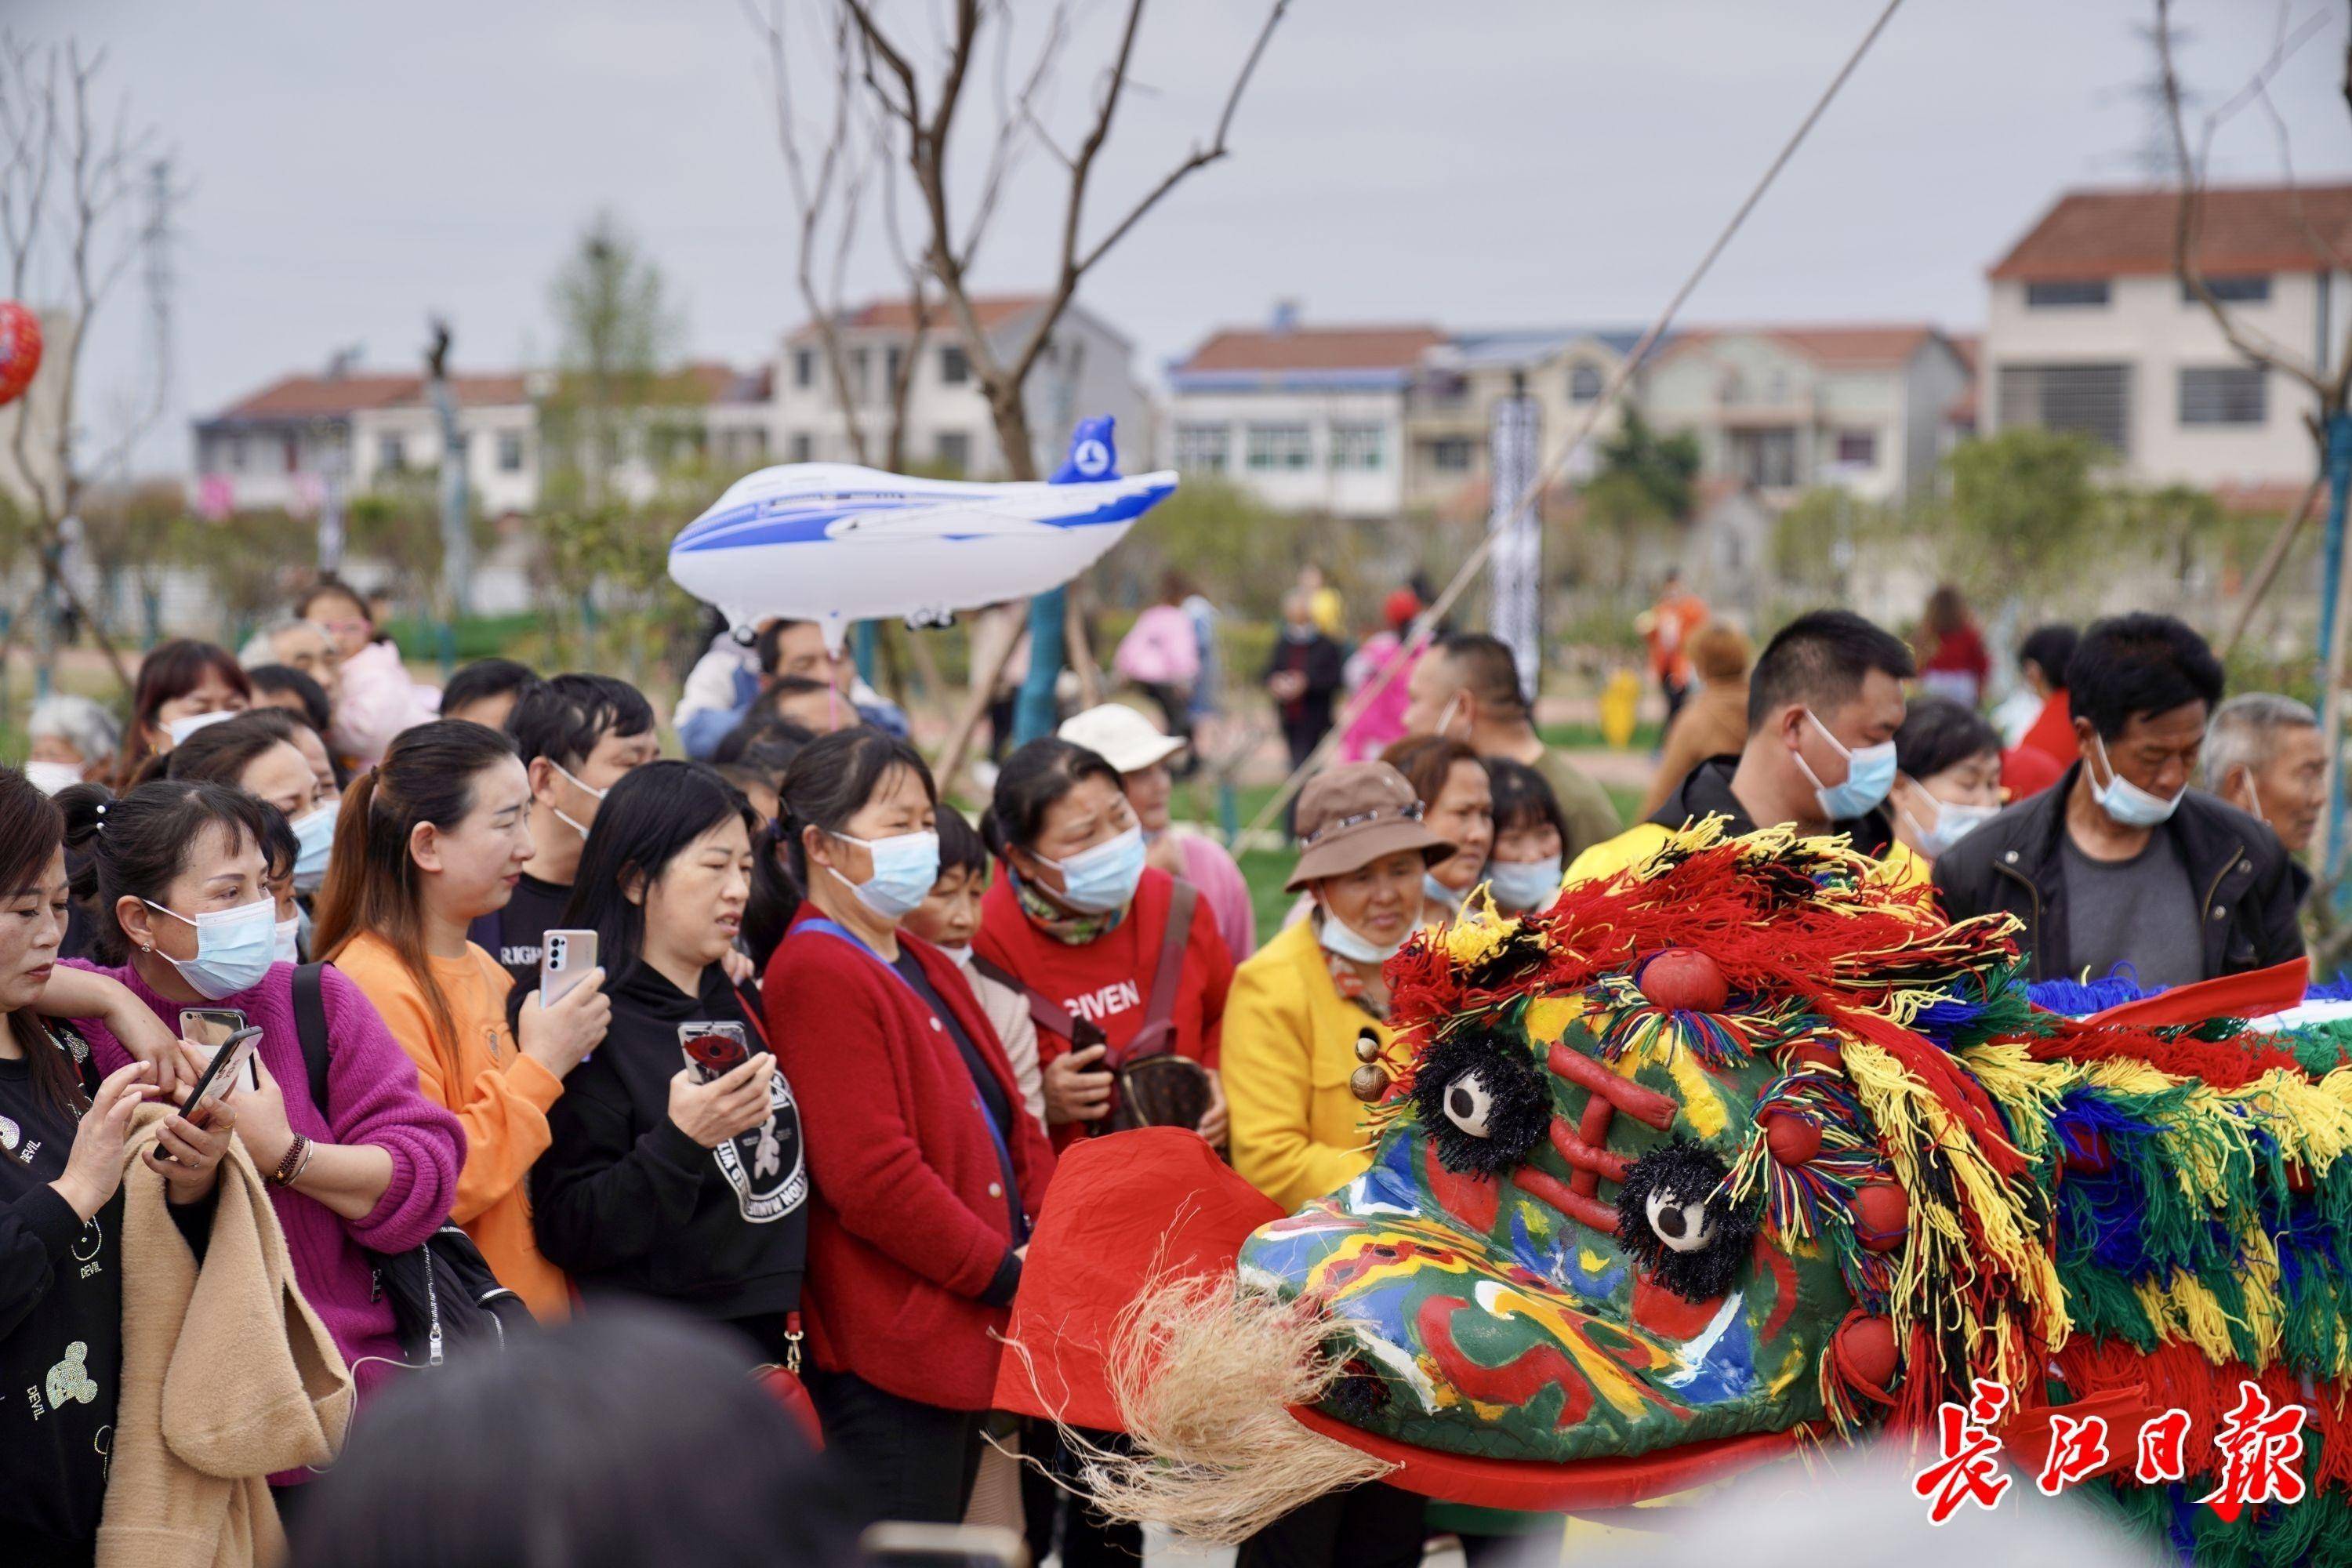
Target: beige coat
pixel 227 1377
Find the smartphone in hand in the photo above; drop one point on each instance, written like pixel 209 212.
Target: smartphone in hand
pixel 565 957
pixel 210 1028
pixel 234 1059
pixel 713 1049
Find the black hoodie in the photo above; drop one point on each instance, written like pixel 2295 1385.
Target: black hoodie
pixel 625 1201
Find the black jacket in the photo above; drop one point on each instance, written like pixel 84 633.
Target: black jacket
pixel 625 1201
pixel 1705 791
pixel 2249 888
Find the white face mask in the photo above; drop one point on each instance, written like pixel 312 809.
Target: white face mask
pixel 586 789
pixel 961 952
pixel 1953 823
pixel 179 729
pixel 287 940
pixel 1337 937
pixel 51 777
pixel 2126 800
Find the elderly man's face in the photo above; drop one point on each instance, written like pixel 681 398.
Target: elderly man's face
pixel 308 649
pixel 2289 787
pixel 57 749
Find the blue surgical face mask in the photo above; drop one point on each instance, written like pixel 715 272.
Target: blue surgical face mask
pixel 1524 885
pixel 1339 937
pixel 903 869
pixel 1437 892
pixel 1869 774
pixel 315 832
pixel 2126 800
pixel 1098 880
pixel 1953 823
pixel 235 948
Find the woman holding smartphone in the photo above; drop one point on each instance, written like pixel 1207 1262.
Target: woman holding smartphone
pixel 927 1173
pixel 62 1263
pixel 662 1180
pixel 176 876
pixel 430 839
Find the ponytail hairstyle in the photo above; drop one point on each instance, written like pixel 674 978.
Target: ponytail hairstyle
pixel 828 783
pixel 1033 781
pixel 173 669
pixel 428 774
pixel 653 814
pixel 31 828
pixel 136 846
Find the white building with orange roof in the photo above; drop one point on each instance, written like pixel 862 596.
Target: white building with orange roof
pixel 1784 409
pixel 1086 369
pixel 2089 329
pixel 1306 418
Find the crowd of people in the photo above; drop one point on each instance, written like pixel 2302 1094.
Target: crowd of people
pixel 926 1009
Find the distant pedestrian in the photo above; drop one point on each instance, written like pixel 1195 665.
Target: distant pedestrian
pixel 1952 661
pixel 1666 626
pixel 1304 677
pixel 1383 666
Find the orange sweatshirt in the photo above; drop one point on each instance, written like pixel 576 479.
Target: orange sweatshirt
pixel 501 1095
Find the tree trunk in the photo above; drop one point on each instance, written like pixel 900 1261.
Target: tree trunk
pixel 1012 421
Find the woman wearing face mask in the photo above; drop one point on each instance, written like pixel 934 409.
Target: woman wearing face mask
pixel 1530 836
pixel 72 740
pixel 1082 922
pixel 61 1209
pixel 254 752
pixel 182 686
pixel 927 1174
pixel 656 1182
pixel 1457 804
pixel 428 840
pixel 1949 782
pixel 176 874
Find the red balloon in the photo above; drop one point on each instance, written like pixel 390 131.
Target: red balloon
pixel 1683 980
pixel 20 349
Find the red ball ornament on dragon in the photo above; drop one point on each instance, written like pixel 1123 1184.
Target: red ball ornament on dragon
pixel 20 349
pixel 1683 980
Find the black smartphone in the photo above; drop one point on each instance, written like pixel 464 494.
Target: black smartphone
pixel 221 1073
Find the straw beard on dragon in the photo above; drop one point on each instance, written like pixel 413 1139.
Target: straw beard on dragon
pixel 1739 1150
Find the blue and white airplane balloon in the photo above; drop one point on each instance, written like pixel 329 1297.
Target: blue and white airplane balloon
pixel 833 542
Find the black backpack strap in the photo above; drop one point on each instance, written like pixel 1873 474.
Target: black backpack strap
pixel 310 1028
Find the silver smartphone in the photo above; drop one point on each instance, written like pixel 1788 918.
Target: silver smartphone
pixel 714 1049
pixel 565 957
pixel 209 1028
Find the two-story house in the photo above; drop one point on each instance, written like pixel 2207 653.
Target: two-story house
pixel 1565 369
pixel 1304 418
pixel 2089 328
pixel 1783 409
pixel 1087 370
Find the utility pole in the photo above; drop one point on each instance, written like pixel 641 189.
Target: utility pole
pixel 456 562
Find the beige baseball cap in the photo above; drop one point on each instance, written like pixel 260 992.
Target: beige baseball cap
pixel 1121 736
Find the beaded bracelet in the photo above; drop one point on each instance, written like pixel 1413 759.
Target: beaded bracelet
pixel 297 1161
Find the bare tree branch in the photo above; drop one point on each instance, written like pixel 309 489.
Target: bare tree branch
pixel 2251 345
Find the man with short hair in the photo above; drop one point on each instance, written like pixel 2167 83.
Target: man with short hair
pixel 2264 756
pixel 1467 688
pixel 789 647
pixel 486 691
pixel 1823 704
pixel 578 734
pixel 2121 862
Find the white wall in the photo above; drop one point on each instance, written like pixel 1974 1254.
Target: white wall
pixel 1317 486
pixel 2146 324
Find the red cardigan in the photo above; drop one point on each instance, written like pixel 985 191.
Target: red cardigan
pixel 908 1222
pixel 1108 980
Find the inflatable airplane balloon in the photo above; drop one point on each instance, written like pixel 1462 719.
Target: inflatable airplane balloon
pixel 833 542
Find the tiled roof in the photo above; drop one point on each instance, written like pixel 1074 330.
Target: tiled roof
pixel 1255 348
pixel 331 396
pixel 896 315
pixel 2241 229
pixel 1878 346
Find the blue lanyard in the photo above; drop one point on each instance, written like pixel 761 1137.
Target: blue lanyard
pixel 995 1133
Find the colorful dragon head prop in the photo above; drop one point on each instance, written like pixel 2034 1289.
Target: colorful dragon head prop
pixel 1745 1149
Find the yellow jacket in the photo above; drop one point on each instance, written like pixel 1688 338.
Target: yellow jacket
pixel 1289 1048
pixel 1638 842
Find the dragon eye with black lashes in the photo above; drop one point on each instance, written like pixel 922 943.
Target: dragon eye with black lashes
pixel 1677 1222
pixel 1482 1102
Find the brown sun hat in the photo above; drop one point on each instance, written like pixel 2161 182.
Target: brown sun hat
pixel 1355 813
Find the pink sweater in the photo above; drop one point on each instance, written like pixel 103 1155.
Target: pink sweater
pixel 372 1099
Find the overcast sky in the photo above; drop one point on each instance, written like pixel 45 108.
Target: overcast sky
pixel 1486 162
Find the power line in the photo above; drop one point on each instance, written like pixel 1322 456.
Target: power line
pixel 1550 472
